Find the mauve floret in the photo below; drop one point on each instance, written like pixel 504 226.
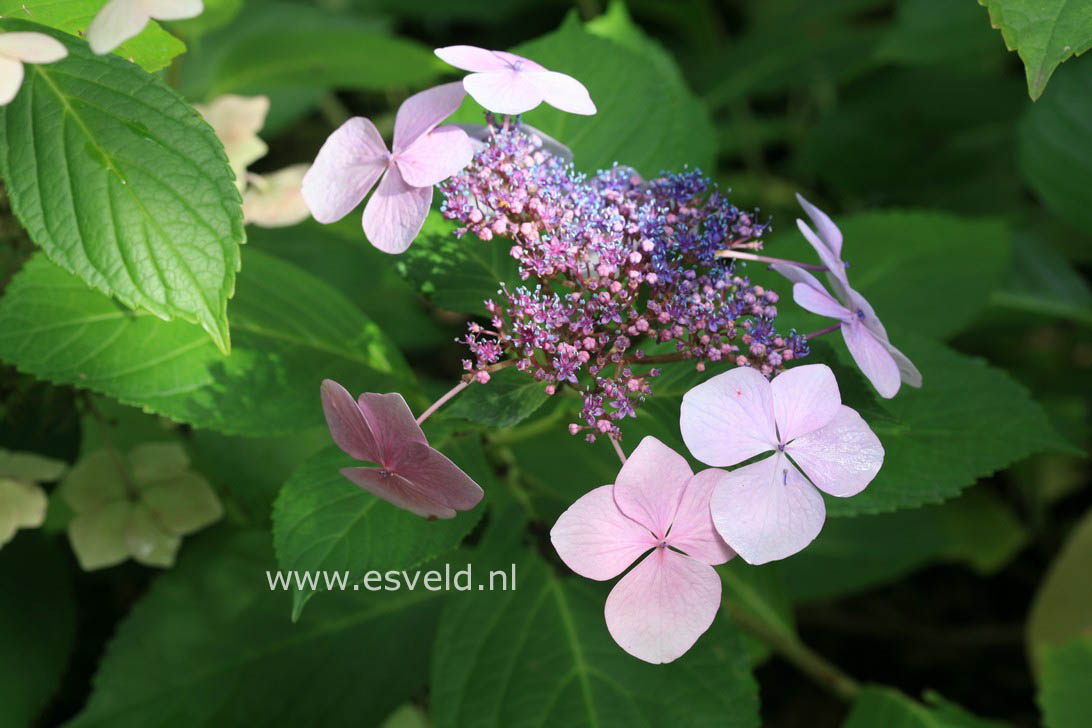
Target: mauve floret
pixel 614 264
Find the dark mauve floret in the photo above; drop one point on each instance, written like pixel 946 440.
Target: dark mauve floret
pixel 614 264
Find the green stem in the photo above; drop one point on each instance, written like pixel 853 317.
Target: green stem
pixel 825 673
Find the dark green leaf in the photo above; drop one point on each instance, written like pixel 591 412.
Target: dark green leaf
pixel 509 397
pixel 1060 611
pixel 1063 684
pixel 879 706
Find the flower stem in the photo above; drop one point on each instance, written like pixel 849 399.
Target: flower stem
pixel 820 332
pixel 618 449
pixel 442 401
pixel 825 673
pixel 766 259
pixel 658 358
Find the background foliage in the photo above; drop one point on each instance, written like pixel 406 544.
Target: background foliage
pixel 955 588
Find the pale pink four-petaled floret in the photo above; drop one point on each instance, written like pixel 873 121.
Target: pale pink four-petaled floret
pixel 505 83
pixel 884 365
pixel 120 20
pixel 17 48
pixel 381 429
pixel 355 157
pixel 659 609
pixel 772 508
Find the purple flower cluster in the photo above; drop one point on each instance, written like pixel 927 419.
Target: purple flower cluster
pixel 622 274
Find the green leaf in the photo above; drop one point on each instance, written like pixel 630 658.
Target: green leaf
pixel 1044 32
pixel 507 398
pixel 895 257
pixel 37 626
pixel 121 183
pixel 1055 146
pixel 153 48
pixel 324 522
pixel 851 555
pixel 211 644
pixel 541 655
pixel 216 13
pixel 291 331
pixel 1063 684
pixel 456 274
pixel 282 45
pixel 1042 281
pixel 879 706
pixel 626 81
pixel 763 594
pixel 1060 610
pixel 927 32
pixel 967 421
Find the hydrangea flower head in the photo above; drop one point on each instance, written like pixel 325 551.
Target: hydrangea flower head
pixel 120 20
pixel 505 83
pixel 379 428
pixel 657 611
pixel 884 365
pixel 772 508
pixel 355 157
pixel 17 48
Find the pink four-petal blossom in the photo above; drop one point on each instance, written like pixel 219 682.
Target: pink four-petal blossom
pixel 884 365
pixel 509 84
pixel 380 428
pixel 659 609
pixel 771 509
pixel 354 158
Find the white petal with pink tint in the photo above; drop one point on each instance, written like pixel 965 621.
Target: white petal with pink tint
pixel 346 168
pixel 172 9
pixel 595 539
pixel 115 23
pixel 729 418
pixel 31 47
pixel 650 484
pixel 11 79
pixel 423 112
pixel 274 200
pixel 817 300
pixel 693 532
pixel 435 156
pixel 909 373
pixel 805 399
pixel 503 92
pixel 658 610
pixel 841 458
pixel 767 510
pixel 828 231
pixel 351 432
pixel 872 358
pixel 561 91
pixel 472 58
pixel 395 213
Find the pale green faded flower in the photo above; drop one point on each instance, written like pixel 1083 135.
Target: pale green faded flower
pixel 22 500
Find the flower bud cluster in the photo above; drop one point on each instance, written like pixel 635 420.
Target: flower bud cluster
pixel 620 275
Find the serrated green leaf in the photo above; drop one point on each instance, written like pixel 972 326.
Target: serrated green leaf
pixel 153 48
pixel 291 331
pixel 967 421
pixel 281 45
pixel 211 644
pixel 1055 145
pixel 1063 684
pixel 1061 609
pixel 626 84
pixel 507 398
pixel 456 274
pixel 1044 32
pixel 121 183
pixel 541 655
pixel 323 522
pixel 34 581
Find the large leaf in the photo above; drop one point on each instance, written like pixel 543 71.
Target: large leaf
pixel 541 655
pixel 1063 684
pixel 37 626
pixel 323 522
pixel 1041 281
pixel 211 644
pixel 1061 611
pixel 281 45
pixel 1055 149
pixel 507 398
pixel 122 183
pixel 152 48
pixel 1044 32
pixel 627 83
pixel 291 331
pixel 457 274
